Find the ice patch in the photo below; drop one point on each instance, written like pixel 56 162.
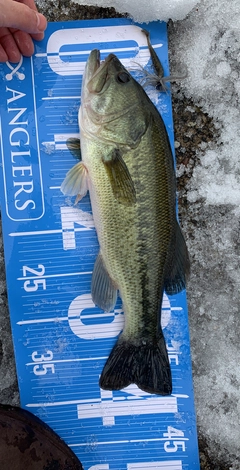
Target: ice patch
pixel 143 11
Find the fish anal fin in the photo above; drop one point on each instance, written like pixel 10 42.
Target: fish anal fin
pixel 120 178
pixel 179 265
pixel 146 365
pixel 104 293
pixel 75 182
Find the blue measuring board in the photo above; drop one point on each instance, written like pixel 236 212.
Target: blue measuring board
pixel 61 338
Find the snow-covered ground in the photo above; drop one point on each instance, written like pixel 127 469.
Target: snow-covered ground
pixel 207 42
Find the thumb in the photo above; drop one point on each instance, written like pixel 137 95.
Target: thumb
pixel 20 16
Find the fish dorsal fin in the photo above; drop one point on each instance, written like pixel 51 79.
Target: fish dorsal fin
pixel 179 265
pixel 120 178
pixel 73 145
pixel 75 182
pixel 104 293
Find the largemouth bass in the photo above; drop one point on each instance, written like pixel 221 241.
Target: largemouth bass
pixel 127 165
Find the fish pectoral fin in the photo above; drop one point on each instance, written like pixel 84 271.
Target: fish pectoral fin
pixel 75 182
pixel 104 293
pixel 179 265
pixel 120 178
pixel 73 145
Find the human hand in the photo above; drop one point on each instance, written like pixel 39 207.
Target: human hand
pixel 19 24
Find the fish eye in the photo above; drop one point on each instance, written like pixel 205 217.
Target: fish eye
pixel 123 77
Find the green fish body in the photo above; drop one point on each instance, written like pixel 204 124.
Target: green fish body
pixel 127 165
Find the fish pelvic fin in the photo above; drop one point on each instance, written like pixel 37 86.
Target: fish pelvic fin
pixel 104 293
pixel 146 365
pixel 73 145
pixel 178 266
pixel 75 182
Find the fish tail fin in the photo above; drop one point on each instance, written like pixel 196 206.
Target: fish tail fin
pixel 145 364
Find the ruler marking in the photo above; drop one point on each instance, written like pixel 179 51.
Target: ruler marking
pixel 67 360
pixel 61 98
pixel 58 319
pixel 144 402
pixel 103 51
pixel 53 275
pixel 127 441
pixel 45 232
pixel 63 287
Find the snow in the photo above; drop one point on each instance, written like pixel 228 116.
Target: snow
pixel 209 47
pixel 143 11
pixel 207 43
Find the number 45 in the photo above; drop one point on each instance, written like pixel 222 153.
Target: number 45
pixel 173 433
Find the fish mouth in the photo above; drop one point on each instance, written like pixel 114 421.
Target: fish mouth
pixel 97 72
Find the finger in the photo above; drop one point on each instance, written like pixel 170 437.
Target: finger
pixel 37 36
pixel 20 16
pixel 31 4
pixel 3 55
pixel 9 45
pixel 24 43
